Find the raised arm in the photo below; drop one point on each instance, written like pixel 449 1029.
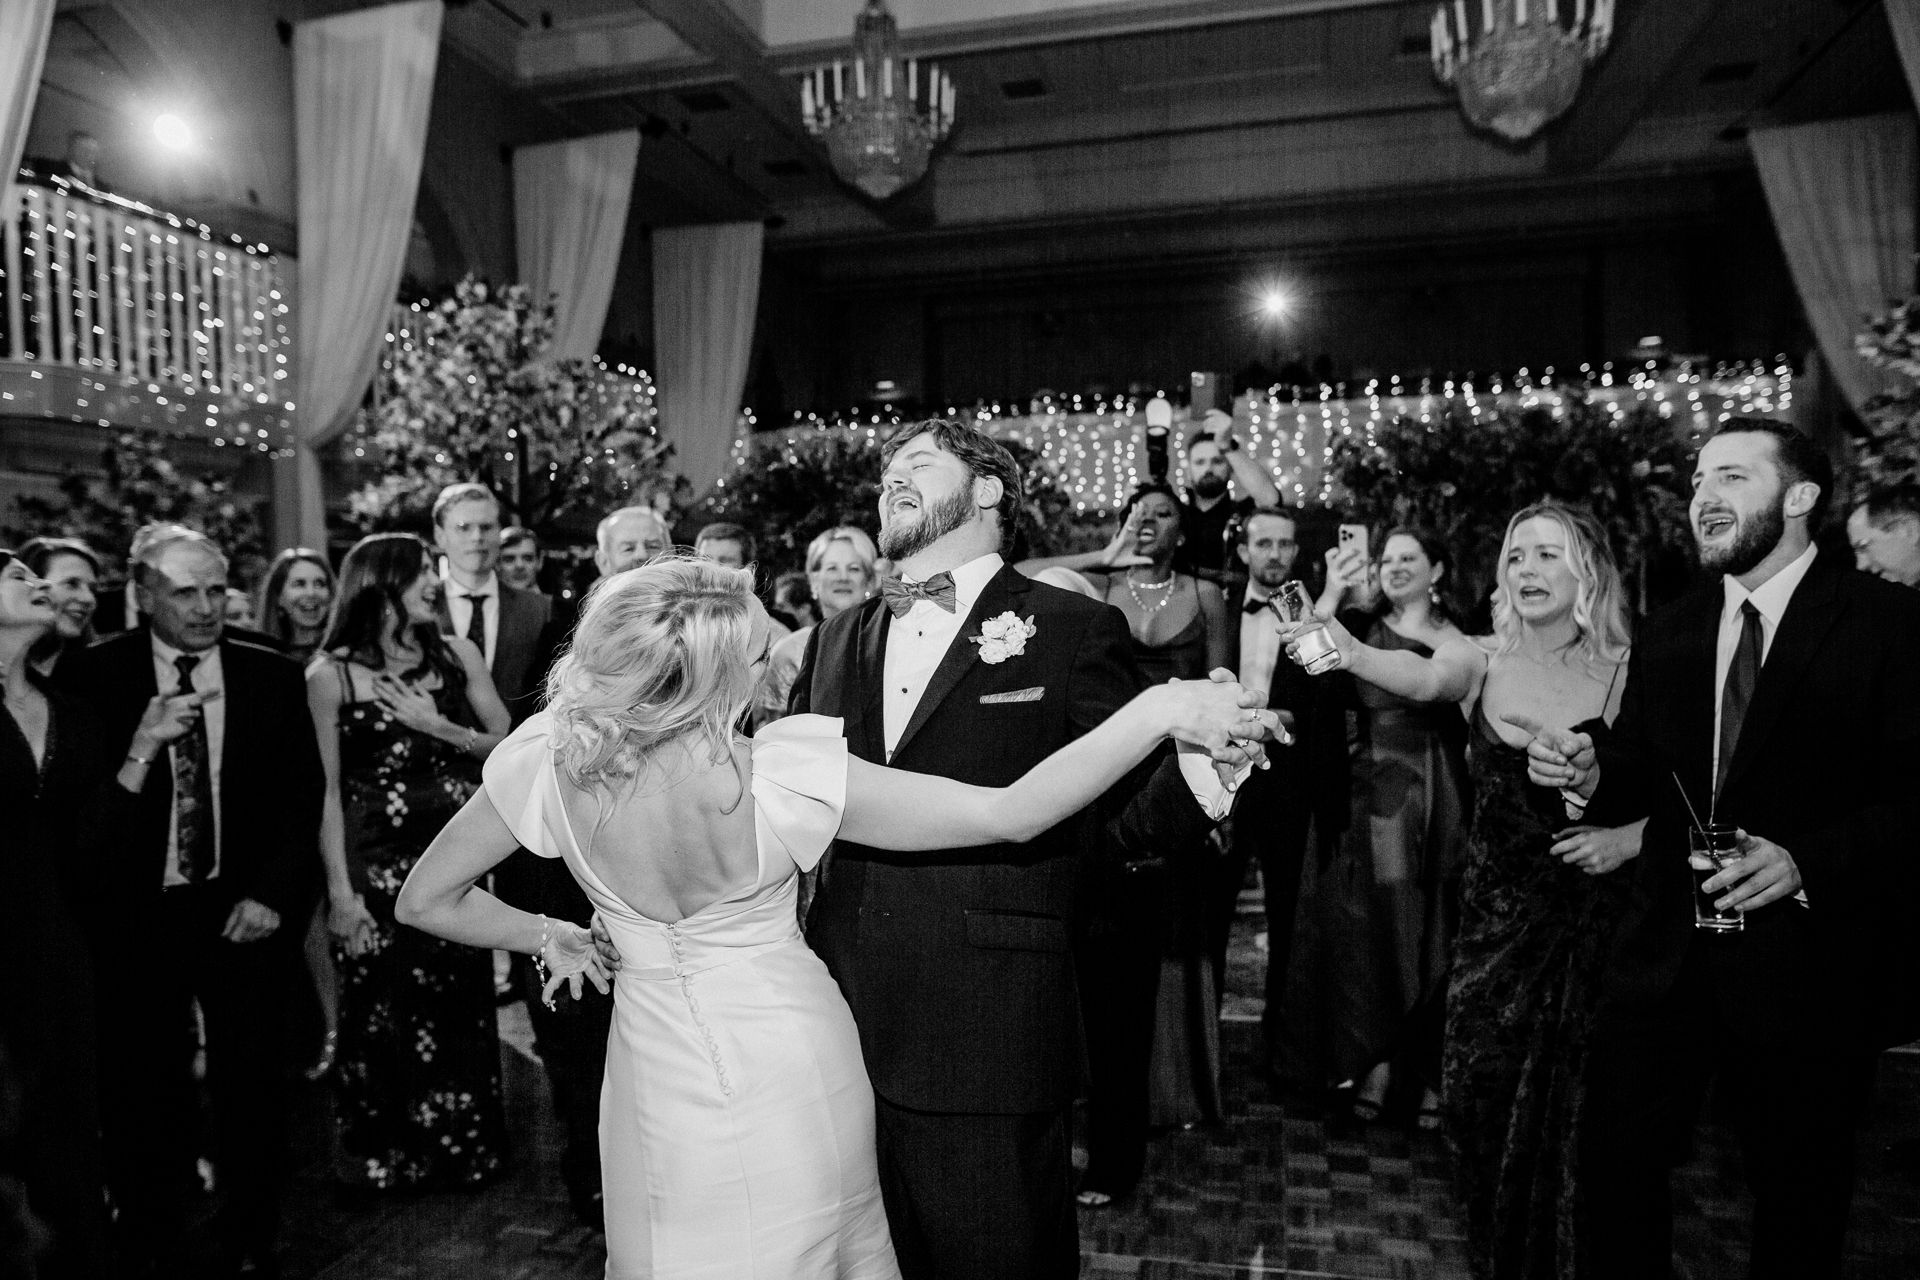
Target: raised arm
pixel 1253 479
pixel 442 897
pixel 894 809
pixel 1452 674
pixel 1121 552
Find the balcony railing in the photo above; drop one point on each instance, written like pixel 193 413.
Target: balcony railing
pixel 143 312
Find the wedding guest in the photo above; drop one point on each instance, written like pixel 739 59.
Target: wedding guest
pixel 403 714
pixel 520 558
pixel 507 625
pixel 224 850
pixel 630 536
pixel 1782 699
pixel 840 574
pixel 1305 793
pixel 1153 1031
pixel 1380 917
pixel 1215 463
pixel 726 544
pixel 239 609
pixel 1538 900
pixel 793 596
pixel 67 801
pixel 1884 531
pixel 72 571
pixel 294 600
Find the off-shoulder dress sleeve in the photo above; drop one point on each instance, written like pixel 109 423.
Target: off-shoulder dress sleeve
pixel 519 779
pixel 799 785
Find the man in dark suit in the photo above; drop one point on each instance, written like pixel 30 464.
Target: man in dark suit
pixel 510 626
pixel 1783 699
pixel 225 852
pixel 957 966
pixel 1307 787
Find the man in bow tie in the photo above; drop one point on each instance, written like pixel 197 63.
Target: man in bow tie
pixel 957 966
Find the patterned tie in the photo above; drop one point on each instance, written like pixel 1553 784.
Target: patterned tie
pixel 901 595
pixel 193 787
pixel 1741 676
pixel 477 621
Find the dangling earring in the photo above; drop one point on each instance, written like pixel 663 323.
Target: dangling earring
pixel 1433 592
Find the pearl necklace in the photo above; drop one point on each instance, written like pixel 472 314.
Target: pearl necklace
pixel 1149 610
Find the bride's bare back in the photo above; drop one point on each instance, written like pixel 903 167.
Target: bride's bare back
pixel 678 839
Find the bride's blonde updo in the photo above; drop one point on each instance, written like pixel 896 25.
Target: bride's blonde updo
pixel 659 652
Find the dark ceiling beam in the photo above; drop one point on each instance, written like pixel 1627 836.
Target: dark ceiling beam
pixel 712 27
pixel 1651 38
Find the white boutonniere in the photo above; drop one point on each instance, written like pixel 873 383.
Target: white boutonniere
pixel 1004 637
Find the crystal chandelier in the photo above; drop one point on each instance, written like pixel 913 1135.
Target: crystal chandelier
pixel 880 117
pixel 1525 67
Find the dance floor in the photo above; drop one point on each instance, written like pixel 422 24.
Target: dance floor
pixel 1276 1191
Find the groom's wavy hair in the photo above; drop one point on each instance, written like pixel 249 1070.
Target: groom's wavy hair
pixel 1601 630
pixel 982 455
pixel 660 653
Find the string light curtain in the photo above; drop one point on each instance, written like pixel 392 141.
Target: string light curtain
pixel 706 287
pixel 569 217
pixel 1843 201
pixel 362 84
pixel 24 28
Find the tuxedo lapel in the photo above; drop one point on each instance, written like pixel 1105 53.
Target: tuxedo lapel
pixel 869 735
pixel 997 597
pixel 1811 613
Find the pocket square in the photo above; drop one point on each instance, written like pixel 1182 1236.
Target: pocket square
pixel 1014 695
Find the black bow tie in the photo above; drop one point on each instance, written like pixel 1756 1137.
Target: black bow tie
pixel 901 595
pixel 1254 606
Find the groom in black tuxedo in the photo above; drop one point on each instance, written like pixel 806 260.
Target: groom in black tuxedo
pixel 206 902
pixel 1785 699
pixel 957 966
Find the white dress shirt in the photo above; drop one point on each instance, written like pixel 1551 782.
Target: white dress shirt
pixel 917 642
pixel 460 609
pixel 1259 643
pixel 208 677
pixel 1770 602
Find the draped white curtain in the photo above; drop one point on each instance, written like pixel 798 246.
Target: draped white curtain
pixel 706 287
pixel 569 217
pixel 1843 200
pixel 362 85
pixel 24 26
pixel 1904 17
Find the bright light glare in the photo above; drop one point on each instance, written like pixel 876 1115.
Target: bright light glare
pixel 172 132
pixel 1276 303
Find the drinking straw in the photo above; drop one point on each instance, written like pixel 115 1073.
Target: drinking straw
pixel 1683 800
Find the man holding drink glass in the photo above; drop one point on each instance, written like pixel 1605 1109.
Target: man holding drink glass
pixel 1770 734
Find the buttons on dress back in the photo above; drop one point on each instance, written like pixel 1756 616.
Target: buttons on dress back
pixel 680 971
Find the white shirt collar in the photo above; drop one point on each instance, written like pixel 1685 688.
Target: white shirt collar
pixel 166 653
pixel 489 585
pixel 970 579
pixel 1771 597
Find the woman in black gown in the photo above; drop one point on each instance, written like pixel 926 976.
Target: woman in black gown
pixel 404 716
pixel 1537 904
pixel 1153 1039
pixel 64 798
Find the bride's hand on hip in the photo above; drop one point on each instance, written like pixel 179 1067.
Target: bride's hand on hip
pixel 571 953
pixel 603 943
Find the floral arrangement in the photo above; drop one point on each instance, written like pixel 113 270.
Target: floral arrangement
pixel 1890 451
pixel 1463 476
pixel 468 391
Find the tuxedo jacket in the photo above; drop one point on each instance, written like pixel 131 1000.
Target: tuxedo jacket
pixel 270 776
pixel 522 647
pixel 957 963
pixel 1827 766
pixel 1314 770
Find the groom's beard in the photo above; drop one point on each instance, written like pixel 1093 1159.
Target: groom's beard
pixel 901 537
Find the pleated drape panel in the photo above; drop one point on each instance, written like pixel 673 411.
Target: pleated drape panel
pixel 706 287
pixel 1904 17
pixel 362 85
pixel 24 28
pixel 569 218
pixel 1843 200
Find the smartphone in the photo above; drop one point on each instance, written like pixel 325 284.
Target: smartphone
pixel 1354 537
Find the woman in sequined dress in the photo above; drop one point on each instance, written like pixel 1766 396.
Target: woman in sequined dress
pixel 405 715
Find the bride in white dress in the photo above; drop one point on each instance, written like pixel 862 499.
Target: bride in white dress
pixel 736 1120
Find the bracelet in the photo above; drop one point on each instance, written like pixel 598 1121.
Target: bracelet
pixel 142 761
pixel 540 956
pixel 473 736
pixel 1575 802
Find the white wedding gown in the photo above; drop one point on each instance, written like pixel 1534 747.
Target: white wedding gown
pixel 736 1119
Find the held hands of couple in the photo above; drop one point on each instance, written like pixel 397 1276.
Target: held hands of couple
pixel 1558 758
pixel 1765 873
pixel 1224 719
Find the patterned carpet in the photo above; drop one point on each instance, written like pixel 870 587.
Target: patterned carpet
pixel 1275 1191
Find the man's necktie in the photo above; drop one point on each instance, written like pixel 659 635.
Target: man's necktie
pixel 901 595
pixel 193 788
pixel 477 621
pixel 1742 674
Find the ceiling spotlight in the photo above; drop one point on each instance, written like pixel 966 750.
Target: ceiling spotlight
pixel 172 132
pixel 1275 303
